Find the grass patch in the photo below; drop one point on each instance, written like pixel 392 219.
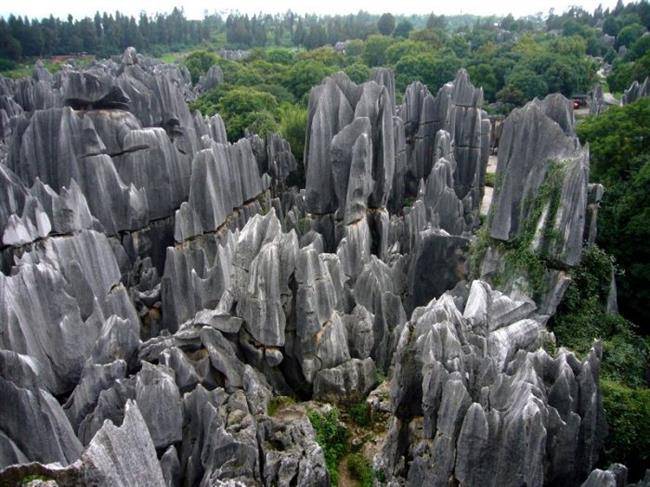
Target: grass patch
pixel 490 179
pixel 278 402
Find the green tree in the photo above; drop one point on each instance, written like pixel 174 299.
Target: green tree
pixel 621 76
pixel 358 72
pixel 374 53
pixel 436 21
pixel 619 142
pixel 293 120
pixel 242 108
pixel 641 68
pixel 386 24
pixel 303 75
pixel 403 29
pixel 280 55
pixel 522 85
pixel 629 34
pixel 483 75
pixel 639 48
pixel 355 47
pixel 403 48
pixel 611 26
pixel 199 62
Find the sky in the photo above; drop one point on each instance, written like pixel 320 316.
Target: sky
pixel 195 9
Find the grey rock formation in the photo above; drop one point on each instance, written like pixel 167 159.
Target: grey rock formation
pixel 156 276
pixel 487 406
pixel 543 175
pixel 211 79
pixel 600 101
pixel 160 404
pixel 636 91
pixel 33 410
pixel 457 110
pixel 614 476
pixel 123 455
pixel 351 381
pixel 349 149
pixel 438 263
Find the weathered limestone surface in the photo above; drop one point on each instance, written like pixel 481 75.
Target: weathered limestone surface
pixel 159 277
pixel 484 404
pixel 635 91
pixel 543 195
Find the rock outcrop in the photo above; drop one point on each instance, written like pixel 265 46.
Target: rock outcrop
pixel 475 400
pixel 636 91
pixel 160 284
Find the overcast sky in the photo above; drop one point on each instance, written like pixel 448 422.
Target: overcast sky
pixel 196 8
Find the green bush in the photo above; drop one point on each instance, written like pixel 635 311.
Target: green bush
pixel 280 55
pixel 579 320
pixel 332 436
pixel 7 64
pixel 360 469
pixel 303 75
pixel 241 109
pixel 628 417
pixel 582 317
pixel 619 143
pixel 293 121
pixel 360 414
pixel 199 62
pixel 374 53
pixel 357 72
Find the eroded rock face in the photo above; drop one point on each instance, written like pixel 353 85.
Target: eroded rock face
pixel 158 277
pixel 542 203
pixel 456 109
pixel 486 406
pixel 635 91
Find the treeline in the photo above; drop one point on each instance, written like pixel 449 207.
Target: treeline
pixel 106 34
pixel 103 35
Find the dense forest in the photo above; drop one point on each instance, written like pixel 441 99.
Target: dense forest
pixel 264 88
pixel 513 59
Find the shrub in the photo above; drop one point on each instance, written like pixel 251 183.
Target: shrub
pixel 375 50
pixel 580 319
pixel 7 64
pixel 305 74
pixel 241 109
pixel 360 469
pixel 360 414
pixel 199 62
pixel 332 436
pixel 280 55
pixel 619 143
pixel 293 122
pixel 357 72
pixel 628 416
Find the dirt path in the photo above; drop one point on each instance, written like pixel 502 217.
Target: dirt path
pixel 345 477
pixel 487 196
